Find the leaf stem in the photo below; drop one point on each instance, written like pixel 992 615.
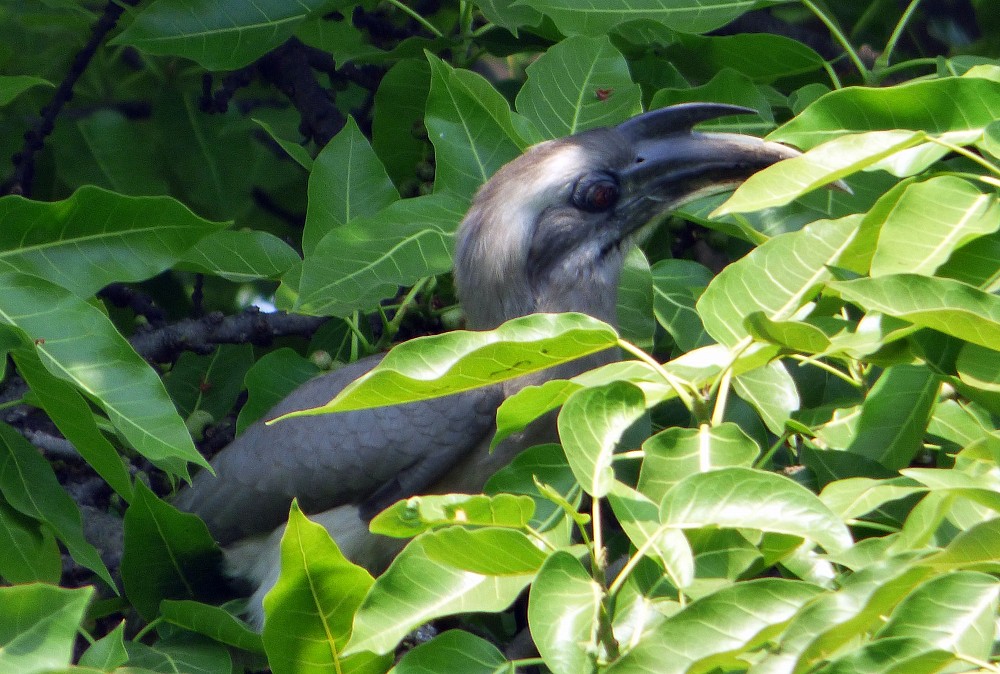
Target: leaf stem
pixel 883 60
pixel 839 36
pixel 392 327
pixel 968 154
pixel 416 17
pixel 826 367
pixel 674 382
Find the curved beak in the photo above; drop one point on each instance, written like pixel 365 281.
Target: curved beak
pixel 674 164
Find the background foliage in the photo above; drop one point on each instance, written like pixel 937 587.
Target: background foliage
pixel 804 478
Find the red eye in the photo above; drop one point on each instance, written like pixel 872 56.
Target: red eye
pixel 596 195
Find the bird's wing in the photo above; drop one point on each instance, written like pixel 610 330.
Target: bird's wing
pixel 334 459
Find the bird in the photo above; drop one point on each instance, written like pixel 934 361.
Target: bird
pixel 547 233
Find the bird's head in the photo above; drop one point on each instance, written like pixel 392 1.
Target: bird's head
pixel 548 231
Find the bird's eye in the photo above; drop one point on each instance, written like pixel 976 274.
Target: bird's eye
pixel 595 195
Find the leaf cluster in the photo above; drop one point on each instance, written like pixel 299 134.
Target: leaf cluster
pixel 795 468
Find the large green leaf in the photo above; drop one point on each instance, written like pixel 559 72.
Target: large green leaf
pixel 29 485
pixel 311 608
pixel 686 16
pixel 564 608
pixel 96 237
pixel 639 518
pixel 579 83
pixel 78 343
pixel 28 550
pixel 778 278
pixel 763 57
pixel 347 181
pixel 780 183
pixel 240 256
pixel 674 453
pixel 742 497
pixel 942 304
pixel 469 122
pixel 399 117
pixel 452 362
pixel 219 35
pixel 416 589
pixel 929 221
pixel 592 424
pixel 733 620
pixel 934 106
pixel 12 86
pixel 451 651
pixel 74 418
pixel 677 284
pixel 953 612
pixel 357 265
pixel 38 626
pixel 167 554
pixel 894 416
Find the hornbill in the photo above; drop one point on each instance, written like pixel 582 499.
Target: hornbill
pixel 548 233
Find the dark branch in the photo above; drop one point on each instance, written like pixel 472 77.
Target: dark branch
pixel 34 137
pixel 201 335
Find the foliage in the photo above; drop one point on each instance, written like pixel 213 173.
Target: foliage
pixel 803 478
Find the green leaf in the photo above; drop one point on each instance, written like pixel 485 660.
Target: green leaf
pixel 356 266
pixel 934 106
pixel 108 652
pixel 28 550
pixel 942 304
pixel 212 621
pixel 733 620
pixel 538 465
pixel 78 343
pixel 675 453
pixel 975 263
pixel 124 153
pixel 417 514
pixel 894 416
pixel 635 301
pixel 564 607
pixel 311 608
pixel 398 117
pixel 763 57
pixel 430 367
pixel 953 612
pixel 853 497
pixel 74 418
pixel 639 517
pixel 470 125
pixel 490 551
pixel 96 237
pixel 223 35
pixel 978 366
pixel 38 626
pixel 452 651
pixel 29 485
pixel 971 548
pixel 592 423
pixel 415 589
pixel 292 148
pixel 579 83
pixel 745 498
pixel 685 16
pixel 270 379
pixel 677 284
pixel 209 383
pixel 777 278
pixel 893 655
pixel 780 183
pixel 347 181
pixel 241 256
pixel 929 221
pixel 184 653
pixel 772 392
pixel 12 86
pixel 167 554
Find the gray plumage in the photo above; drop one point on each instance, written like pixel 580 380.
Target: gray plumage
pixel 548 233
